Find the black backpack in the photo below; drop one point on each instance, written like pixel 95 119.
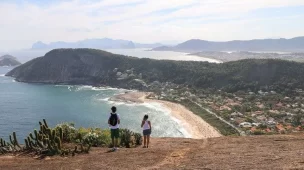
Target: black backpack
pixel 113 119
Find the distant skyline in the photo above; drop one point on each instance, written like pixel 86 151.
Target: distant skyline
pixel 24 22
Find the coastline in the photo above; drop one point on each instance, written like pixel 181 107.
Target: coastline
pixel 192 123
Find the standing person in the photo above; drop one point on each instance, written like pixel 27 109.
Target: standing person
pixel 114 122
pixel 146 125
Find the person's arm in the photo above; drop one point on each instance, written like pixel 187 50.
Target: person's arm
pixel 118 121
pixel 142 123
pixel 150 125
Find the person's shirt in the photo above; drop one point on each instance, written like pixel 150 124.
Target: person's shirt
pixel 146 125
pixel 117 125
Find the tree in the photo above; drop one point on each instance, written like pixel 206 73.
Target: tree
pixel 296 121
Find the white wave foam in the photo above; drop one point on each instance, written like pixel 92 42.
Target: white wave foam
pixel 104 99
pixel 2 75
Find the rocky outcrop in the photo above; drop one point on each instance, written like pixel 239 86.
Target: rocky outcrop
pixel 8 60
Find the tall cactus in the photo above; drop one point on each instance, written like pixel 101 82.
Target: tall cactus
pixel 15 140
pixel 46 125
pixel 61 134
pixel 27 146
pixel 58 142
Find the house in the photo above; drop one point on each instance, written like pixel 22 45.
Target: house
pixel 225 108
pixel 273 92
pixel 279 105
pixel 271 122
pixel 245 125
pixel 236 114
pixel 261 118
pixel 253 129
pixel 258 112
pixel 274 111
pixel 256 124
pixel 280 128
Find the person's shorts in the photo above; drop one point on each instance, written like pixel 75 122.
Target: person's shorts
pixel 147 132
pixel 114 133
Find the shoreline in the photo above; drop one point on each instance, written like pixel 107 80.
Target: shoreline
pixel 194 125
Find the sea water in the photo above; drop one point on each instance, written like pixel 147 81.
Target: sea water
pixel 23 105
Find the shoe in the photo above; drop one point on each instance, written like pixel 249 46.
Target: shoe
pixel 144 147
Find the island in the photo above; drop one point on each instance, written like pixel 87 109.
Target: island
pixel 8 60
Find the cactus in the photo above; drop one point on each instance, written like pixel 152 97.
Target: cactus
pixel 27 146
pixel 75 150
pixel 58 142
pixel 60 133
pixel 32 137
pixel 30 143
pixel 40 144
pixel 15 140
pixel 45 124
pixel 11 140
pixel 36 134
pixel 53 134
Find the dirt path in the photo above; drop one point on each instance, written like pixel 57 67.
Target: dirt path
pixel 255 152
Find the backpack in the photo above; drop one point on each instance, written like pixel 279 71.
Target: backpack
pixel 113 119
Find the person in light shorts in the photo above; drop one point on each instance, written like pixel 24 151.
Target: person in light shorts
pixel 147 128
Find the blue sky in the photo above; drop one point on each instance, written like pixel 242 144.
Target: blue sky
pixel 24 22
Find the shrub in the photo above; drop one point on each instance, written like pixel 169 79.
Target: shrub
pixel 258 132
pixel 69 131
pixel 97 137
pixel 129 139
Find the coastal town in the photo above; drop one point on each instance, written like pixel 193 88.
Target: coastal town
pixel 240 55
pixel 263 112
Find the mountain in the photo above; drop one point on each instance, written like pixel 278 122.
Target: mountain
pixel 104 43
pixel 8 60
pixel 195 45
pixel 97 67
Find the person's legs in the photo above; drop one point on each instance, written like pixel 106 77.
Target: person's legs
pixel 116 142
pixel 116 138
pixel 148 140
pixel 145 140
pixel 112 137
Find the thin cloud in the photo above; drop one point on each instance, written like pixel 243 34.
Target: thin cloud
pixel 144 20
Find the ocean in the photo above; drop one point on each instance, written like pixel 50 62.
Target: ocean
pixel 22 105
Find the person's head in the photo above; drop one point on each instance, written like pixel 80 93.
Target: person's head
pixel 113 109
pixel 146 117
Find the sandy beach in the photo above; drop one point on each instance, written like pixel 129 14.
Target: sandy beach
pixel 193 124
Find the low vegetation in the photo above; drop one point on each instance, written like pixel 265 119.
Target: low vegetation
pixel 64 139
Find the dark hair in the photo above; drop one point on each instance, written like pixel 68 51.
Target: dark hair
pixel 146 117
pixel 113 109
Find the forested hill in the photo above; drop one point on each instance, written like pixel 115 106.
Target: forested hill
pixel 96 67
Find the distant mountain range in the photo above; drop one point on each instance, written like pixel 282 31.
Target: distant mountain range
pixel 8 60
pixel 195 45
pixel 104 43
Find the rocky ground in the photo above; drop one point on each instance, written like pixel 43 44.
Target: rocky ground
pixel 255 152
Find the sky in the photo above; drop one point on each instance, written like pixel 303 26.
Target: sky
pixel 24 22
